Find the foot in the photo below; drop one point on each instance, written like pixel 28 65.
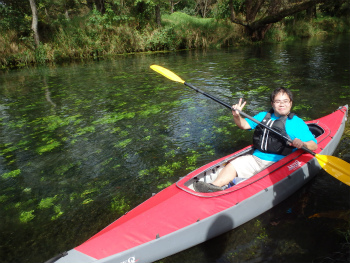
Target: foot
pixel 203 187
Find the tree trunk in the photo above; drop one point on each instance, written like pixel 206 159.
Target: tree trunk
pixel 100 6
pixel 232 11
pixel 35 23
pixel 252 9
pixel 158 16
pixel 311 12
pixel 171 2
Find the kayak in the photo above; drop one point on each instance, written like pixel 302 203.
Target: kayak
pixel 178 217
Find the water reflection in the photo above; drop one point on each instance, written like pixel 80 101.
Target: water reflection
pixel 82 144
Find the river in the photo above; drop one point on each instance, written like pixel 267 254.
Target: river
pixel 81 144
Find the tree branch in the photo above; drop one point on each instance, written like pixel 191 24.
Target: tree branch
pixel 283 13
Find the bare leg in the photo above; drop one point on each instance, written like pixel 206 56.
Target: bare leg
pixel 227 174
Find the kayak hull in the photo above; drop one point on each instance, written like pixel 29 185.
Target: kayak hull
pixel 178 217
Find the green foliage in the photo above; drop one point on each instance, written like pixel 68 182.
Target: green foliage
pixel 221 9
pixel 164 38
pixel 107 20
pixel 143 12
pixel 13 19
pixel 69 31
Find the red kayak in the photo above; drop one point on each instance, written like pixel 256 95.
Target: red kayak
pixel 179 217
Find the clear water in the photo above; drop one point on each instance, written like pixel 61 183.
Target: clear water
pixel 82 144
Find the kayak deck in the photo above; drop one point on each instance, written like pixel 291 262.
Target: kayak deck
pixel 178 217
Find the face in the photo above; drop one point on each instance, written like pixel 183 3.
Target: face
pixel 282 104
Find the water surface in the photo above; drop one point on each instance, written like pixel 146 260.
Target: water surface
pixel 84 143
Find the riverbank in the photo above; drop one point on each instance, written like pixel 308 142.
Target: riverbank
pixel 94 37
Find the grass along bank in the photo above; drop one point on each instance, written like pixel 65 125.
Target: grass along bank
pixel 94 36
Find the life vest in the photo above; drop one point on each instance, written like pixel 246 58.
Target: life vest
pixel 269 142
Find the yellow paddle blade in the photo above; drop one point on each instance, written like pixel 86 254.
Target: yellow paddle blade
pixel 167 73
pixel 336 167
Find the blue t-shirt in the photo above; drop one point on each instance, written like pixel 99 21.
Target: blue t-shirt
pixel 295 128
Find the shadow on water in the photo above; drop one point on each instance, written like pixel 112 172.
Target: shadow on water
pixel 213 249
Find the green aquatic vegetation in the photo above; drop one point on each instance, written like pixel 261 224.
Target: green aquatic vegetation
pixel 58 211
pixel 192 160
pixel 82 131
pixel 165 170
pixel 16 124
pixel 26 216
pixel 153 109
pixel 114 117
pixel 86 201
pixel 52 144
pixel 116 166
pixel 11 174
pixel 144 172
pixel 165 185
pixel 172 153
pixel 115 130
pixel 222 130
pixel 123 144
pixel 123 133
pixel 121 77
pixel 3 198
pixel 186 135
pixel 302 107
pixel 47 202
pixel 225 119
pixel 89 191
pixel 160 88
pixel 53 122
pixel 119 205
pixel 9 149
pixel 27 190
pixel 176 165
pixel 63 168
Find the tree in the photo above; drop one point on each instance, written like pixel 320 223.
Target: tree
pixel 203 7
pixel 99 4
pixel 35 22
pixel 261 14
pixel 172 5
pixel 232 10
pixel 158 15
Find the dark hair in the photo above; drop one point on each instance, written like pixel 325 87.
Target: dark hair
pixel 281 90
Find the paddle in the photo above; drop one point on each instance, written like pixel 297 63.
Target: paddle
pixel 336 167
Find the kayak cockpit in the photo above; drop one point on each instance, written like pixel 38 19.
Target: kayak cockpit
pixel 210 172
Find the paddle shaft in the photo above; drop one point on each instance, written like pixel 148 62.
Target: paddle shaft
pixel 246 116
pixel 333 165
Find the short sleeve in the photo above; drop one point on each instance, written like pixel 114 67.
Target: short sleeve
pixel 297 128
pixel 259 117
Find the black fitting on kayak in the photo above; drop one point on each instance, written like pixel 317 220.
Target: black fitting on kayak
pixel 54 259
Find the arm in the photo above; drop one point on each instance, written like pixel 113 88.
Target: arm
pixel 311 145
pixel 240 122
